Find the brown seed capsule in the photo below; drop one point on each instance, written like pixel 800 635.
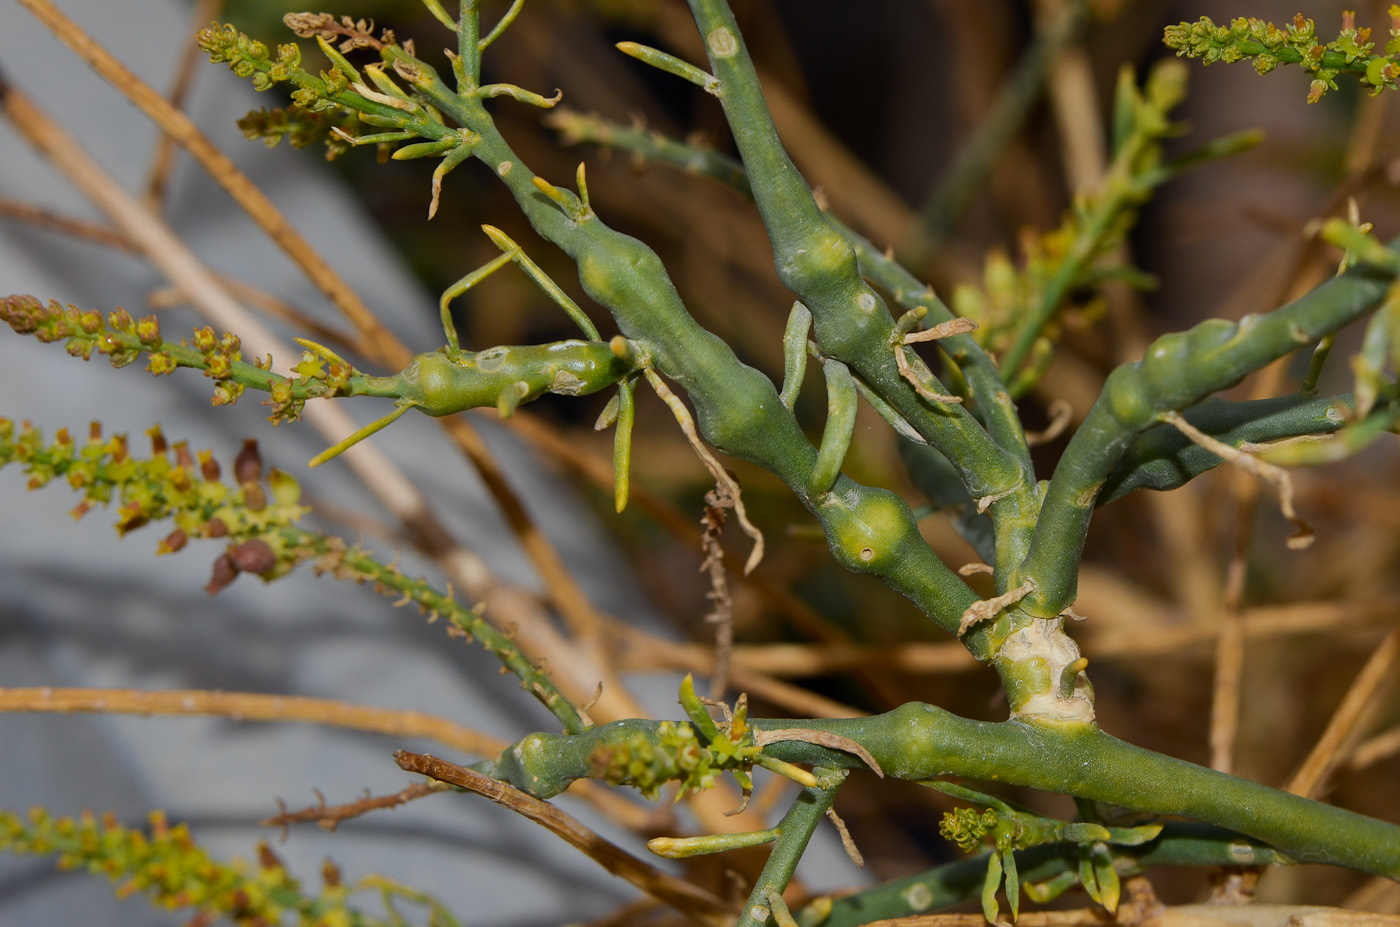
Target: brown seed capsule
pixel 208 466
pixel 268 859
pixel 174 541
pixel 247 467
pixel 254 497
pixel 224 573
pixel 158 442
pixel 254 556
pixel 215 528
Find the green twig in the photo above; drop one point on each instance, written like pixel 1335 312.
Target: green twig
pixel 794 831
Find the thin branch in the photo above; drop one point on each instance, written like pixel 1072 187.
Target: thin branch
pixel 160 299
pixel 1202 915
pixel 66 225
pixel 158 177
pixel 717 506
pixel 224 172
pixel 252 706
pixel 689 899
pixel 1310 779
pixel 1272 474
pixel 1378 748
pixel 329 817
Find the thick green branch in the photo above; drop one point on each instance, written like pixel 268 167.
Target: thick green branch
pixel 988 398
pixel 818 263
pixel 1178 371
pixel 738 410
pixel 919 741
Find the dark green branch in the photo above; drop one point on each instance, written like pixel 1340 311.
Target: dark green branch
pixel 794 832
pixel 818 263
pixel 1178 371
pixel 1163 458
pixel 1180 844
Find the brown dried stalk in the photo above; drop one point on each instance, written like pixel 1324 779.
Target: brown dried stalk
pixel 699 904
pixel 329 817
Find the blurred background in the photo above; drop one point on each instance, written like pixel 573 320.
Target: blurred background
pixel 878 103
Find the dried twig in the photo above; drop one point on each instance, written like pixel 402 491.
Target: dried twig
pixel 252 706
pixel 717 506
pixel 820 738
pixel 1189 915
pixel 988 608
pixel 1381 747
pixel 1061 415
pixel 696 902
pixel 722 477
pixel 1310 779
pixel 158 177
pixel 329 817
pixel 1270 473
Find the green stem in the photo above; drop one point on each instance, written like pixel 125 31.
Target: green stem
pixel 1180 844
pixel 794 832
pixel 1178 371
pixel 1163 458
pixel 331 555
pixel 738 410
pixel 815 261
pixel 989 398
pixel 919 741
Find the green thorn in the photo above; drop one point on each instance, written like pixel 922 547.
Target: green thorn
pixel 340 447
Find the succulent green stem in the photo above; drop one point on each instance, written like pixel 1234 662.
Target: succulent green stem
pixel 1178 371
pixel 919 741
pixel 1180 844
pixel 738 410
pixel 794 832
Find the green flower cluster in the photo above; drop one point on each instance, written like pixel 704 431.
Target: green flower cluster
pixel 966 827
pixel 123 339
pixel 169 866
pixel 1296 43
pixel 300 127
pixel 249 58
pixel 171 484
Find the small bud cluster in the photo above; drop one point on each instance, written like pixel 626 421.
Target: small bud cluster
pixel 672 753
pixel 123 340
pixel 300 127
pixel 166 864
pixel 249 58
pixel 170 484
pixel 1296 43
pixel 966 827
